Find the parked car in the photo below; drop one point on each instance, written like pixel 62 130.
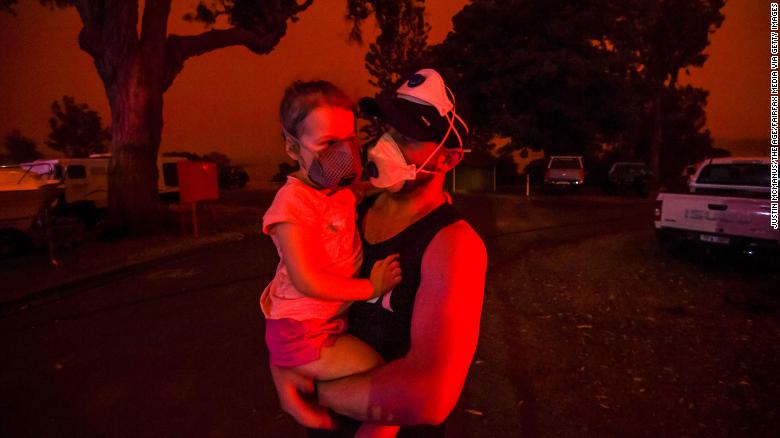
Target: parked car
pixel 728 205
pixel 564 171
pixel 626 177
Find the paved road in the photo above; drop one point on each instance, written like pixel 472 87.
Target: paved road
pixel 176 349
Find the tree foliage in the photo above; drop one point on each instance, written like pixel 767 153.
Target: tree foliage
pixel 660 38
pixel 76 130
pixel 687 139
pixel 8 6
pixel 537 72
pixel 400 48
pixel 254 15
pixel 569 76
pixel 20 148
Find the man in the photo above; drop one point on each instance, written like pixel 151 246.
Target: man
pixel 427 327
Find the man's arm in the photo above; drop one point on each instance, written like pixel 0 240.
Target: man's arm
pixel 423 387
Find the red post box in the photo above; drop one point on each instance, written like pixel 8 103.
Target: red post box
pixel 197 181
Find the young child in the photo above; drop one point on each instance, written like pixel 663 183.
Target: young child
pixel 312 223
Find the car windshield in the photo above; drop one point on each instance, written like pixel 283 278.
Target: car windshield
pixel 565 163
pixel 741 174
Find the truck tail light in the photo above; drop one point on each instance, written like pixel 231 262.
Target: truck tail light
pixel 659 206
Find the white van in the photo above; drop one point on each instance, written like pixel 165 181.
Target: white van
pixel 85 180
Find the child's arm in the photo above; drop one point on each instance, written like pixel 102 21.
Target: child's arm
pixel 306 260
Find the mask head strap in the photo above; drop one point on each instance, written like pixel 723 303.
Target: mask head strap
pixel 450 117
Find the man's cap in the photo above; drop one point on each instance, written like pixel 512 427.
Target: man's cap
pixel 419 109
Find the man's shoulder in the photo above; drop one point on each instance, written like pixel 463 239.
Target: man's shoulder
pixel 460 230
pixel 456 238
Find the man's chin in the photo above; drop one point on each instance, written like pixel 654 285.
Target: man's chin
pixel 411 187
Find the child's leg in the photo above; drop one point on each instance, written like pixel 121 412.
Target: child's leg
pixel 348 355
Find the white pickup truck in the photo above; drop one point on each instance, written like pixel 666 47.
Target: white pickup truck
pixel 727 205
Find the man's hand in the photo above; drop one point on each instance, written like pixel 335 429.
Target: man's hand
pixel 291 387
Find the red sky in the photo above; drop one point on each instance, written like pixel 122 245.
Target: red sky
pixel 737 74
pixel 227 100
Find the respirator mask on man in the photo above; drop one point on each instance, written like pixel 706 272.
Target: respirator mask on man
pixel 388 169
pixel 334 167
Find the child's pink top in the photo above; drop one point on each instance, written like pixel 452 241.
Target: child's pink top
pixel 333 217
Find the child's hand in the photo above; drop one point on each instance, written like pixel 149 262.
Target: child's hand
pixel 385 275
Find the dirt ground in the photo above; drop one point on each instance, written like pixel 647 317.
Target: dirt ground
pixel 589 328
pixel 612 336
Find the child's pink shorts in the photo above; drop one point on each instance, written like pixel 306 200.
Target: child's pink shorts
pixel 293 343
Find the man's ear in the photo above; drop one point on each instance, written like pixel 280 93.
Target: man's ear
pixel 451 158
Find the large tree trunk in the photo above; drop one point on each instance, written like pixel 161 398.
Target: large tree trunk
pixel 136 71
pixel 136 112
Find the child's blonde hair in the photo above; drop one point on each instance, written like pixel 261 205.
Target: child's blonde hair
pixel 302 97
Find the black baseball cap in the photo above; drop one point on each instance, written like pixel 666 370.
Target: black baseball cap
pixel 420 109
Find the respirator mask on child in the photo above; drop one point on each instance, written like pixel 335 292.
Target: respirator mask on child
pixel 388 169
pixel 334 167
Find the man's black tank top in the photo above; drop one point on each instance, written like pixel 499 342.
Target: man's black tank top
pixel 385 325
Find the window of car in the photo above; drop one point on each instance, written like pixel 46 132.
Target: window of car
pixel 747 174
pixel 565 163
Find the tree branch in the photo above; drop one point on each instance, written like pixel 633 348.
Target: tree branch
pixel 196 45
pixel 260 34
pixel 109 34
pixel 91 13
pixel 181 48
pixel 154 26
